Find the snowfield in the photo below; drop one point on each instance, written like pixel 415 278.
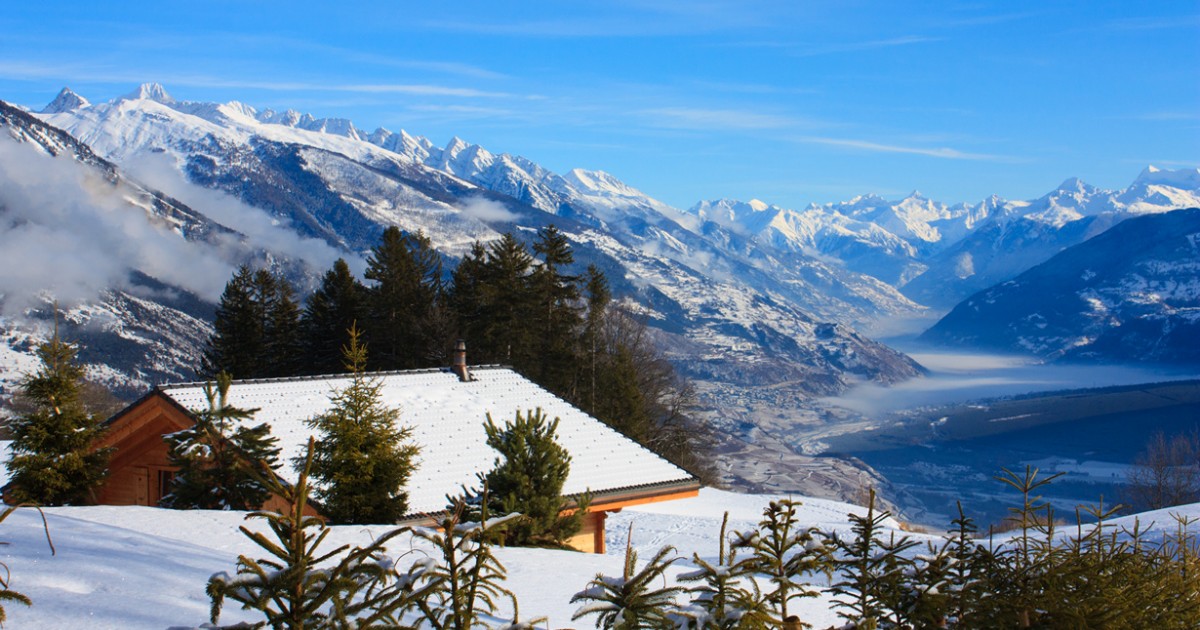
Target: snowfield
pixel 140 567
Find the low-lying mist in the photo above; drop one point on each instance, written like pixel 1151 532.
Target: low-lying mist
pixel 956 377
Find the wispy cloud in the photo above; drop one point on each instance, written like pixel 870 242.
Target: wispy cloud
pixel 84 74
pixel 1168 116
pixel 699 118
pixel 559 28
pixel 751 88
pixel 986 19
pixel 816 49
pixel 617 19
pixel 829 49
pixel 1154 23
pixel 946 153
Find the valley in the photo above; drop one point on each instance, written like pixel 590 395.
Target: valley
pixel 933 456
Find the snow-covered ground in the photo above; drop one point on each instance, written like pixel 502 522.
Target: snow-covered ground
pixel 139 567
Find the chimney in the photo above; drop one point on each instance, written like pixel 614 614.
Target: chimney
pixel 459 361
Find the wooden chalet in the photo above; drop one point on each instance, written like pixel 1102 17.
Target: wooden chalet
pixel 446 409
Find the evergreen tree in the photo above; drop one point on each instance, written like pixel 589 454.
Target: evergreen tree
pixel 464 298
pixel 598 297
pixel 727 596
pixel 465 581
pixel 53 462
pixel 871 569
pixel 255 333
pixel 402 306
pixel 332 310
pixel 281 325
pixel 505 334
pixel 300 585
pixel 557 319
pixel 237 343
pixel 528 479
pixel 219 458
pixel 783 551
pixel 631 601
pixel 362 457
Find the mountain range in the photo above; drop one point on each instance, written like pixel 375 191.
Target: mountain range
pixel 151 202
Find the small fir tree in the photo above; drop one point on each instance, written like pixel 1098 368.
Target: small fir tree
pixel 632 601
pixel 53 462
pixel 219 457
pixel 727 596
pixel 363 457
pixel 464 581
pixel 302 586
pixel 528 478
pixel 782 550
pixel 871 569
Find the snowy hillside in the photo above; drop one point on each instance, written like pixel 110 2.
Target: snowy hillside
pixel 1129 295
pixel 137 567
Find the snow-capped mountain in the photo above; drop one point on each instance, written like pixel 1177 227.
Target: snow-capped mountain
pixel 730 314
pixel 1129 295
pixel 938 254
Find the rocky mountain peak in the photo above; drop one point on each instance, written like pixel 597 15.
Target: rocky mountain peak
pixel 151 92
pixel 66 101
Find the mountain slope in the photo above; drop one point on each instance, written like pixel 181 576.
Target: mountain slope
pixel 134 272
pixel 717 299
pixel 1131 294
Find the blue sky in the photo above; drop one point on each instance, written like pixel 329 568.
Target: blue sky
pixel 788 102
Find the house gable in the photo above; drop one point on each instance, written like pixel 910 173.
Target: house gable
pixel 139 469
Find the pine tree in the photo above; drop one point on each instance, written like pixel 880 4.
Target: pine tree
pixel 465 581
pixel 598 297
pixel 281 325
pixel 402 305
pixel 336 306
pixel 505 302
pixel 363 457
pixel 783 551
pixel 236 345
pixel 53 462
pixel 557 318
pixel 219 458
pixel 303 586
pixel 871 568
pixel 631 601
pixel 727 596
pixel 528 478
pixel 255 333
pixel 464 297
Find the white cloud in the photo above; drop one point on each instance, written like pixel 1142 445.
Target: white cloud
pixel 876 147
pixel 67 231
pixel 717 119
pixel 486 210
pixel 261 229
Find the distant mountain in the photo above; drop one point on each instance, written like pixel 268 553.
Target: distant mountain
pixel 938 254
pixel 1128 295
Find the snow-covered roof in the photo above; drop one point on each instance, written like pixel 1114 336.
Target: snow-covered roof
pixel 447 417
